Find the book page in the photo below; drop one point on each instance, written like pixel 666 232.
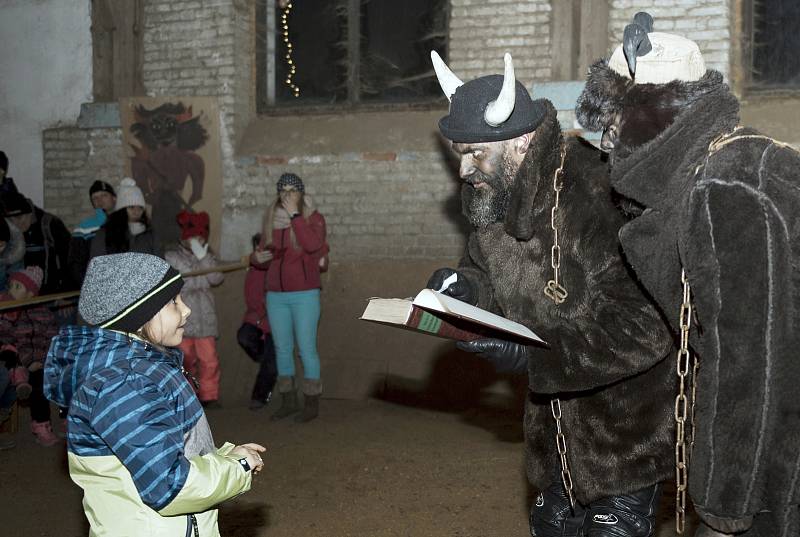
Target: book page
pixel 391 310
pixel 434 301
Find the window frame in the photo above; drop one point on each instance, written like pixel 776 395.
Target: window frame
pixel 741 68
pixel 266 85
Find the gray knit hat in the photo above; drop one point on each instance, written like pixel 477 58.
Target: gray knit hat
pixel 124 291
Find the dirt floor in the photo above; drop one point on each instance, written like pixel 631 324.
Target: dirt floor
pixel 397 466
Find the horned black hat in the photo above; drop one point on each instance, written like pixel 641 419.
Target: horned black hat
pixel 489 108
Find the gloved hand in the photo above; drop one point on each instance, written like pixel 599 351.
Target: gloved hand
pixel 462 289
pixel 505 356
pixel 199 250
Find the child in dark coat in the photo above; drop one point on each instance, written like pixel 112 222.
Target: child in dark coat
pixel 255 336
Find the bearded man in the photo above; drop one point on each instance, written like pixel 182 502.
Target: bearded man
pixel 719 204
pixel 598 416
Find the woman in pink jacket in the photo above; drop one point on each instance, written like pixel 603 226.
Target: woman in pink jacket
pixel 293 244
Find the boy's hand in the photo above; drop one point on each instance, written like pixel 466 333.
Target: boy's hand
pixel 35 366
pixel 251 453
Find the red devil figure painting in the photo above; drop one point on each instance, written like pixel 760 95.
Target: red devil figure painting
pixel 169 137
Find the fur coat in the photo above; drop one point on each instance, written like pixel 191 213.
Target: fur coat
pixel 606 361
pixel 724 204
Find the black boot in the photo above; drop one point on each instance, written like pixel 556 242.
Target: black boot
pixel 288 406
pixel 310 409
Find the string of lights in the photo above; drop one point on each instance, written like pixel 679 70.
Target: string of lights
pixel 289 61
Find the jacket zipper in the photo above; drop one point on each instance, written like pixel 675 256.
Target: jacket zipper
pixel 191 524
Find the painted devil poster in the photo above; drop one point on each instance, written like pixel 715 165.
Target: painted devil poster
pixel 173 152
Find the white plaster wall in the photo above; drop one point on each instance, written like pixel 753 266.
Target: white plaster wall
pixel 45 74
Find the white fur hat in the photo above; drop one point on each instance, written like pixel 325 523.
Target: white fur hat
pixel 672 58
pixel 129 195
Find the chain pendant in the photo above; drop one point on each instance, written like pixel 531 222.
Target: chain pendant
pixel 555 292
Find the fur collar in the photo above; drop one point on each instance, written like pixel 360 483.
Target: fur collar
pixel 532 189
pixel 659 170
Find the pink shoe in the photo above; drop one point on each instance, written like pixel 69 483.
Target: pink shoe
pixel 43 432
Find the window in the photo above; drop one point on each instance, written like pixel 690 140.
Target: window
pixel 348 52
pixel 117 49
pixel 771 44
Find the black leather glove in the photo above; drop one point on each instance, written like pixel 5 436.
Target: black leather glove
pixel 505 356
pixel 463 289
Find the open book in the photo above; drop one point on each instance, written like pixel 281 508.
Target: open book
pixel 445 316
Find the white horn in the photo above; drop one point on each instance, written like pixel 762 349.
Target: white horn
pixel 498 112
pixel 447 80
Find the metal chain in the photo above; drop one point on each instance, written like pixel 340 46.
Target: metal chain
pixel 682 405
pixel 561 443
pixel 553 290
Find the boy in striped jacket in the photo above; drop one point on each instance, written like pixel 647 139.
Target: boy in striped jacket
pixel 138 441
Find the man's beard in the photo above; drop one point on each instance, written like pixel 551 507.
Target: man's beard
pixel 490 204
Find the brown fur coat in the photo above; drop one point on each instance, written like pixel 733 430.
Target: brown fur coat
pixel 608 344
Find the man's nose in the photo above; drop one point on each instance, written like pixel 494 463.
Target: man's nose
pixel 467 168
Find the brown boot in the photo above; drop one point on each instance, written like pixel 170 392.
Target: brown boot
pixel 310 409
pixel 312 389
pixel 288 399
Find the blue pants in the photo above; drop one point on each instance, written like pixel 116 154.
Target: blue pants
pixel 295 315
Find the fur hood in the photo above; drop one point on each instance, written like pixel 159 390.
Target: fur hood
pixel 607 93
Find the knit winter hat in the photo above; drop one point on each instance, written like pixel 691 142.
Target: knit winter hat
pixel 124 291
pixel 193 224
pixel 101 186
pixel 15 204
pixel 129 195
pixel 290 180
pixel 30 277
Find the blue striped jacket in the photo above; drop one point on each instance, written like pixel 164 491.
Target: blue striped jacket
pixel 128 399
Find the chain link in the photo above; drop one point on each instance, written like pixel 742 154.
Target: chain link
pixel 682 405
pixel 561 443
pixel 553 289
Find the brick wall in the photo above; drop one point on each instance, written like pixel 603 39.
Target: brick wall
pixel 74 159
pixel 482 30
pixel 394 199
pixel 377 205
pixel 707 22
pixel 203 49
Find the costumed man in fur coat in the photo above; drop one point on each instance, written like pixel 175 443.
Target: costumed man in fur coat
pixel 605 374
pixel 722 203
